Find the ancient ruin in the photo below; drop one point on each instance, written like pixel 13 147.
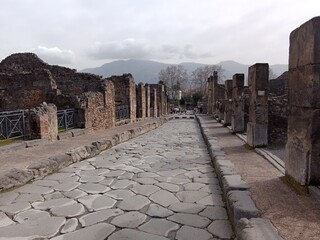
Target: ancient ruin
pixel 237 119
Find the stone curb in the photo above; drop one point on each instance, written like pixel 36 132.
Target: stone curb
pixel 245 217
pixel 18 177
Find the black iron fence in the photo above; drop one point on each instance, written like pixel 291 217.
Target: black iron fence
pixel 66 119
pixel 122 112
pixel 12 124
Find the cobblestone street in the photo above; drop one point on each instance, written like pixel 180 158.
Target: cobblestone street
pixel 157 186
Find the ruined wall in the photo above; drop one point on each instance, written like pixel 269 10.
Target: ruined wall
pixel 161 99
pixel 147 89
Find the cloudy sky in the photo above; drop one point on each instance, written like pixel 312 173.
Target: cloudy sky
pixel 88 33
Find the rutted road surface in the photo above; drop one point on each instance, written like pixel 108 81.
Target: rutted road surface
pixel 157 186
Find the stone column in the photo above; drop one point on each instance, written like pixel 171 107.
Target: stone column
pixel 237 119
pixel 141 101
pixel 210 97
pixel 147 89
pixel 227 102
pixel 302 156
pixel 153 103
pixel 257 128
pixel 214 91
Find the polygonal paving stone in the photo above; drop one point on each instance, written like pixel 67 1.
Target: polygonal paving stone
pixel 59 176
pixel 207 169
pixel 46 183
pixel 95 172
pixel 70 226
pixel 211 188
pixel 149 181
pixel 8 197
pixel 60 202
pixel 72 210
pixel 193 186
pixel 108 181
pixel 190 219
pixel 164 198
pixel 113 173
pixel 169 186
pixel 91 179
pixel 69 179
pixel 160 227
pixel 193 174
pixel 31 214
pixel 99 216
pixel 147 175
pixel 120 194
pixel 171 173
pixel 29 197
pixel 95 232
pixel 29 188
pixel 134 203
pixel 5 220
pixel 127 175
pixel 186 207
pixel 145 190
pixel 54 195
pixel 84 165
pixel 212 200
pixel 76 193
pixel 37 229
pixel 123 184
pixel 97 202
pixel 191 233
pixel 93 188
pixel 15 208
pixel 214 213
pixel 221 229
pixel 156 210
pixel 206 180
pixel 66 187
pixel 134 235
pixel 191 196
pixel 129 220
pixel 174 180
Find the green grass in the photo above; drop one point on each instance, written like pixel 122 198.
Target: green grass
pixel 10 141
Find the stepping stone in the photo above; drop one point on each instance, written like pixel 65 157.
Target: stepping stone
pixel 70 226
pixel 221 229
pixel 164 198
pixel 191 196
pixel 40 228
pixel 191 233
pixel 160 227
pixel 66 187
pixel 193 186
pixel 155 210
pixel 134 203
pixel 214 213
pixel 134 234
pixel 119 194
pixel 5 220
pixel 129 220
pixel 99 216
pixel 31 214
pixel 186 207
pixel 30 188
pixel 97 202
pixel 60 202
pixel 93 188
pixel 169 186
pixel 72 210
pixel 145 190
pixel 100 230
pixel 15 208
pixel 190 219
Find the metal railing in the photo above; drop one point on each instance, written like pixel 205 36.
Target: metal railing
pixel 12 124
pixel 66 118
pixel 122 112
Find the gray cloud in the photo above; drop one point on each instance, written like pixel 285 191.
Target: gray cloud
pixel 55 55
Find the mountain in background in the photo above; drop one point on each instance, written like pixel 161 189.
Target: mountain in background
pixel 147 71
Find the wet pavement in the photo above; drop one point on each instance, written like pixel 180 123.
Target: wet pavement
pixel 160 185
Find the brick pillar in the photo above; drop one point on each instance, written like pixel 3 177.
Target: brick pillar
pixel 227 102
pixel 302 156
pixel 237 119
pixel 257 128
pixel 210 97
pixel 141 101
pixel 147 89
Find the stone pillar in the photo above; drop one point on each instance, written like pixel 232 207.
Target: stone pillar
pixel 147 89
pixel 237 119
pixel 227 102
pixel 210 97
pixel 153 103
pixel 302 155
pixel 214 91
pixel 141 101
pixel 257 129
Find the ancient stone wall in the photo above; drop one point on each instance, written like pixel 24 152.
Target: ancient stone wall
pixel 153 102
pixel 228 102
pixel 237 118
pixel 147 89
pixel 141 100
pixel 302 156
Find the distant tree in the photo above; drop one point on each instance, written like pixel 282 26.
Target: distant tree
pixel 272 75
pixel 196 97
pixel 174 78
pixel 200 76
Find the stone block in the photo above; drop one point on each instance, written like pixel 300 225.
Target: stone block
pixel 241 205
pixel 14 177
pixel 233 182
pixel 13 147
pixel 256 228
pixel 78 154
pixel 257 134
pixel 36 142
pixel 304 44
pixel 302 159
pixel 304 86
pixel 78 132
pixel 64 135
